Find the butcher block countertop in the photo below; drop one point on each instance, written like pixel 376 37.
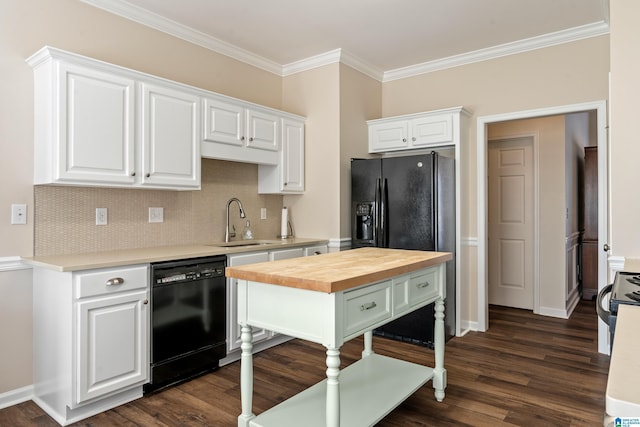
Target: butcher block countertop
pixel 339 271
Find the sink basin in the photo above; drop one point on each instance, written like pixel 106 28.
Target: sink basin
pixel 242 243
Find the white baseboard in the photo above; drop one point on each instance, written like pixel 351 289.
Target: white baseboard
pixel 467 326
pixel 13 397
pixel 553 312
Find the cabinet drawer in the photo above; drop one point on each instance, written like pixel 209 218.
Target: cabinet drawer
pixel 366 306
pixel 99 282
pixel 423 286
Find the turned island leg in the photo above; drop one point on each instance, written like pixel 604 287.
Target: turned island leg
pixel 439 373
pixel 246 376
pixel 333 388
pixel 368 344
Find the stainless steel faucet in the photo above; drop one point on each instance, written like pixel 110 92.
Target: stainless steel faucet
pixel 227 234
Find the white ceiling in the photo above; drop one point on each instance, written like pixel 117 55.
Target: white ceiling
pixel 386 39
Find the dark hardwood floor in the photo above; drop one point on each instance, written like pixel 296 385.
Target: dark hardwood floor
pixel 526 370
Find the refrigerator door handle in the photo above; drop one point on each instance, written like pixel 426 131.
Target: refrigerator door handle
pixel 376 215
pixel 384 219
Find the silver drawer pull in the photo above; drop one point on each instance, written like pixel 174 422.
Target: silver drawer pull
pixel 368 306
pixel 115 281
pixel 423 285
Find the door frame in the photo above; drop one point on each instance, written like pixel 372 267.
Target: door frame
pixel 533 138
pixel 603 197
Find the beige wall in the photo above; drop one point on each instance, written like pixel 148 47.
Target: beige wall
pixel 315 95
pixel 624 148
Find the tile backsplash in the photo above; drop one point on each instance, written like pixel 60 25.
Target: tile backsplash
pixel 65 217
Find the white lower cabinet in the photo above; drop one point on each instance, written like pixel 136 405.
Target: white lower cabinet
pixel 90 340
pixel 233 329
pixel 262 338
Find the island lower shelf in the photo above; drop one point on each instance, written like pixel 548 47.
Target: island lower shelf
pixel 369 389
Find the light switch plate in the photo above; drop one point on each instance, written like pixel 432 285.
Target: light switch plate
pixel 18 214
pixel 263 213
pixel 156 215
pixel 101 216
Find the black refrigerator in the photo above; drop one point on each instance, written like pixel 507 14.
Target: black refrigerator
pixel 408 203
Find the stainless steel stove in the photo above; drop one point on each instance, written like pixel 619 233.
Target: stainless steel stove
pixel 625 289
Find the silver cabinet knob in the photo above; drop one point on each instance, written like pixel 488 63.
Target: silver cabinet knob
pixel 606 247
pixel 146 301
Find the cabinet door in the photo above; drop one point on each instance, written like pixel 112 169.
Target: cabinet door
pixel 262 130
pixel 112 344
pixel 233 334
pixel 429 130
pixel 389 136
pixel 96 127
pixel 171 144
pixel 292 156
pixel 223 122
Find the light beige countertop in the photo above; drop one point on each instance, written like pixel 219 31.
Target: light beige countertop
pixel 622 396
pixel 87 261
pixel 338 271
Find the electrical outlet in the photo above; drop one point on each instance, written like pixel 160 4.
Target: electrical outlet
pixel 18 214
pixel 263 213
pixel 156 215
pixel 101 216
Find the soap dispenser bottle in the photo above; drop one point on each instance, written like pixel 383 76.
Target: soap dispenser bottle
pixel 247 234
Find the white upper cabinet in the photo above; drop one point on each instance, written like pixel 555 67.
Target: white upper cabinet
pixel 287 177
pixel 97 124
pixel 87 132
pixel 240 131
pixel 412 131
pixel 170 137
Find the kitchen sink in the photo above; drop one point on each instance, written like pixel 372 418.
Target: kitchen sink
pixel 243 243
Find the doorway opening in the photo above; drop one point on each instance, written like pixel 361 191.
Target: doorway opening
pixel 482 154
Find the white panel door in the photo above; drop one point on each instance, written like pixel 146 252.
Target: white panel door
pixel 511 223
pixel 170 135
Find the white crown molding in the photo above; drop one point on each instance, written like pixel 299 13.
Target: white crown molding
pixel 150 19
pixel 147 18
pixel 316 61
pixel 520 46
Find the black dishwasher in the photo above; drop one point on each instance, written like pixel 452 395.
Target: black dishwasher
pixel 188 318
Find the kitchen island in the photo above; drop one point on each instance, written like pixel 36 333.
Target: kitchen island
pixel 330 299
